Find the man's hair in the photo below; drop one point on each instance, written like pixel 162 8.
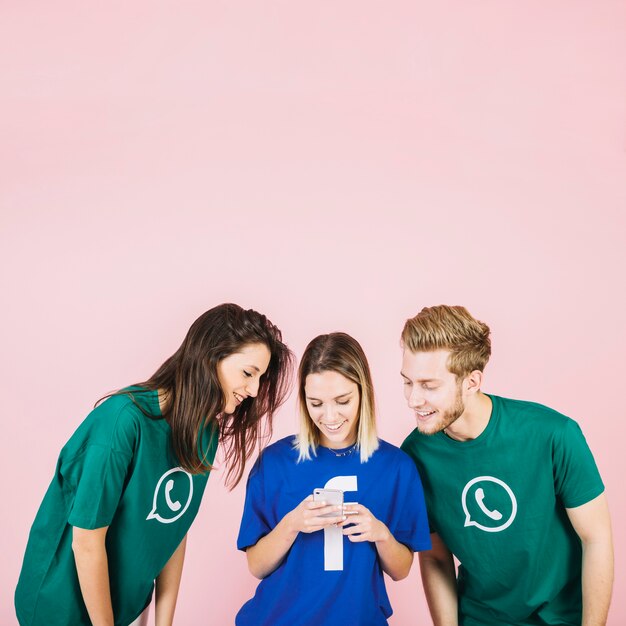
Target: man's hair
pixel 450 328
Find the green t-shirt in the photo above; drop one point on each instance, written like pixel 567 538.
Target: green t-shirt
pixel 116 470
pixel 498 503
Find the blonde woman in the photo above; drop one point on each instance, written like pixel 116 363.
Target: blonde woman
pixel 323 563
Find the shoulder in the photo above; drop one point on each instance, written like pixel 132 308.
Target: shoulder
pixel 115 424
pixel 537 416
pixel 392 455
pixel 277 453
pixel 416 441
pixel 280 448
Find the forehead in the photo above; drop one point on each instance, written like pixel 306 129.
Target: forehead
pixel 328 384
pixel 256 354
pixel 432 364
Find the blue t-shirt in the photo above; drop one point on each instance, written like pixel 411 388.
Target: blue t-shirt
pixel 311 585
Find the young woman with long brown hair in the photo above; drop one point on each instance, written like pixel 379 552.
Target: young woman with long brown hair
pixel 129 481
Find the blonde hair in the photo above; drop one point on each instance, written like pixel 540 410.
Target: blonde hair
pixel 337 352
pixel 450 328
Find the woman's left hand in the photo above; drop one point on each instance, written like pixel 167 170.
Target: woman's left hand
pixel 366 527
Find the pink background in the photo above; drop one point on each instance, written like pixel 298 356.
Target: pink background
pixel 336 165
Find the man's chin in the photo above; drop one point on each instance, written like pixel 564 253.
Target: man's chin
pixel 429 430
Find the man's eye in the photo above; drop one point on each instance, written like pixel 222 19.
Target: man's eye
pixel 408 382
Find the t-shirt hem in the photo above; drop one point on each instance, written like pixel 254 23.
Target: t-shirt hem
pixel 88 524
pixel 416 546
pixel 587 497
pixel 248 544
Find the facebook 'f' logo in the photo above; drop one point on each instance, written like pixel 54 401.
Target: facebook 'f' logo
pixel 333 535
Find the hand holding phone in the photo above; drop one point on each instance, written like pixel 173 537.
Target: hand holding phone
pixel 310 516
pixel 332 497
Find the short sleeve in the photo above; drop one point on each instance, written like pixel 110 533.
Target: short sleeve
pixel 96 477
pixel 409 448
pixel 408 521
pixel 576 476
pixel 254 521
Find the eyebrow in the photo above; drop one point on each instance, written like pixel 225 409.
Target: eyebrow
pixel 422 380
pixel 343 395
pixel 254 367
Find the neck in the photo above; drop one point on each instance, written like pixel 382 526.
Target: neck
pixel 473 420
pixel 337 446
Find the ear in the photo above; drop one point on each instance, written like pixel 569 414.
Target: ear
pixel 472 382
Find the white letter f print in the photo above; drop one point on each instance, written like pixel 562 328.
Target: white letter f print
pixel 333 535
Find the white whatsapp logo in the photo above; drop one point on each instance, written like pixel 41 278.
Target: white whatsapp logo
pixel 493 520
pixel 333 535
pixel 169 508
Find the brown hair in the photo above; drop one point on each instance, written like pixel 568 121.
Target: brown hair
pixel 194 396
pixel 451 328
pixel 337 352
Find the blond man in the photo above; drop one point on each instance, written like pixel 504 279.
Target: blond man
pixel 512 490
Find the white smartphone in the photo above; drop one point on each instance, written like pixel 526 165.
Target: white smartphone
pixel 332 497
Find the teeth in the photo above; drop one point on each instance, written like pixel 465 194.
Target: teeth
pixel 334 426
pixel 238 397
pixel 425 413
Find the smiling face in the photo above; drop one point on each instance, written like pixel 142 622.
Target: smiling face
pixel 332 401
pixel 431 390
pixel 239 374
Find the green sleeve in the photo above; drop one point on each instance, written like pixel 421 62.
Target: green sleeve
pixel 576 476
pixel 95 475
pixel 97 480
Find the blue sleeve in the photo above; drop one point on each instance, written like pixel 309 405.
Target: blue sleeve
pixel 255 522
pixel 408 521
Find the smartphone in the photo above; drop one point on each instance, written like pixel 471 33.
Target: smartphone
pixel 332 497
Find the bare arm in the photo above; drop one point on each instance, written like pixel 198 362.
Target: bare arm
pixel 439 581
pixel 268 552
pixel 167 585
pixel 592 523
pixel 93 573
pixel 395 558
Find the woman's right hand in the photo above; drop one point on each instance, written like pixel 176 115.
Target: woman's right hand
pixel 307 516
pixel 267 553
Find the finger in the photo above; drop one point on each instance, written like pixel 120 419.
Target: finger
pixel 318 520
pixel 329 521
pixel 315 504
pixel 325 511
pixel 359 538
pixel 353 530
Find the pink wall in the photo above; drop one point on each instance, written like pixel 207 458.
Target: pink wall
pixel 337 165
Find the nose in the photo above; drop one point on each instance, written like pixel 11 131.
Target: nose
pixel 329 413
pixel 416 398
pixel 252 388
